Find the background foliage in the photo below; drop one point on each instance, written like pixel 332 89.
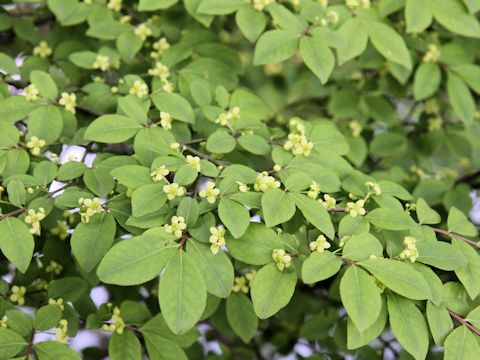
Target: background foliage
pixel 297 172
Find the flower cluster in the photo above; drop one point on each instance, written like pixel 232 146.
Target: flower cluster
pixel 42 50
pixel 217 238
pixel 61 331
pixel 54 268
pixel 143 31
pixel 102 62
pixel 165 120
pixel 328 202
pixel 373 188
pixel 163 73
pixel 352 4
pixel 260 5
pixel 243 283
pixel 35 145
pixel 320 244
pixel 160 47
pixel 297 142
pixel 210 192
pixel 33 219
pixel 173 190
pixel 31 92
pixel 176 227
pixel 282 259
pixel 344 240
pixel 61 230
pixel 264 182
pixel 194 161
pixel 3 322
pixel 355 127
pixel 331 17
pixel 410 252
pixel 159 173
pixel 139 89
pixel 59 302
pixel 314 190
pixel 69 101
pixel 242 187
pixel 356 208
pixel 116 322
pixel 231 114
pixel 18 295
pixel 88 208
pixel 115 5
pixel 432 55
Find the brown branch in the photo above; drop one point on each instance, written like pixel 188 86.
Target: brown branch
pixel 206 157
pixel 452 234
pixel 464 322
pixel 12 213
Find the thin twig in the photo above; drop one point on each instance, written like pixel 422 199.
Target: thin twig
pixel 464 322
pixel 452 234
pixel 206 157
pixel 12 213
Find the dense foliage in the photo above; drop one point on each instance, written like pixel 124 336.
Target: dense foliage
pixel 244 178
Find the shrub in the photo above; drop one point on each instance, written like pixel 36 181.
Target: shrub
pixel 268 175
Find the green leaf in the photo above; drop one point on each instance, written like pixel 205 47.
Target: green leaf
pixel 156 328
pixel 398 276
pixel 461 344
pixel 460 98
pixel 91 241
pixel 137 260
pixel 452 15
pixel 427 80
pixel 16 242
pixel 275 46
pixel 277 207
pixel 217 269
pixel 470 272
pixel 7 64
pixel 152 5
pixel 200 90
pixel 360 297
pixel 272 290
pixel 221 142
pixel 112 129
pixel 361 246
pixel 132 176
pixel 234 216
pixel 254 144
pixel 219 7
pixel 128 45
pixel 440 255
pixel 174 104
pixel 53 350
pixel 47 317
pixel 352 39
pixel 11 343
pixel 470 73
pixel 327 137
pixel 16 192
pixel 67 288
pixel 83 59
pixel 315 213
pixel 389 43
pixel 44 83
pixel 134 108
pixel 390 219
pixel 189 209
pixel 408 325
pixel 425 214
pixel 458 223
pixel 159 348
pixel 185 175
pixel 71 170
pixel 318 57
pixel 182 293
pixel 15 108
pixel 9 135
pixel 439 322
pixel 250 22
pixel 125 346
pixel 255 247
pixel 418 15
pixel 320 266
pixel 241 316
pixel 147 199
pixel 46 123
pixel 68 12
pixel 357 339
